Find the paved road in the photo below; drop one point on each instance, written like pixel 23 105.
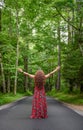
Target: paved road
pixel 60 117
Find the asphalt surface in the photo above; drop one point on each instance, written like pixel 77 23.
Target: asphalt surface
pixel 60 117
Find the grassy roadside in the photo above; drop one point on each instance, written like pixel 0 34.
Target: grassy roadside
pixel 72 98
pixel 8 98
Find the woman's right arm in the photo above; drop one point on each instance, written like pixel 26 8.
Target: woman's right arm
pixel 27 74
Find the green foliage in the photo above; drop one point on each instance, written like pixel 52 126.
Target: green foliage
pixel 38 22
pixel 73 98
pixel 72 64
pixel 7 98
pixel 28 93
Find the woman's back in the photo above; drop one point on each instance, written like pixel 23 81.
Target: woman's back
pixel 39 79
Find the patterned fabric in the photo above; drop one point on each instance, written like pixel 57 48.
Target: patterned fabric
pixel 39 104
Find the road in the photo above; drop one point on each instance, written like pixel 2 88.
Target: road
pixel 60 117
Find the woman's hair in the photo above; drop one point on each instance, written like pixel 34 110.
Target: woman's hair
pixel 39 79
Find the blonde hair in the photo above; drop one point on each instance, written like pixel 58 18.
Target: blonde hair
pixel 39 79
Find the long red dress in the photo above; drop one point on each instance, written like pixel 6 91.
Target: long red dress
pixel 39 104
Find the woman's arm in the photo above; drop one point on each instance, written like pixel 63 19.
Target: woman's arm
pixel 48 75
pixel 27 74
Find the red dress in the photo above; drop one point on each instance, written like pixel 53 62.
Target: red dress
pixel 39 104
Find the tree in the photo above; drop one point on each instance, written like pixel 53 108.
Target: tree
pixel 59 55
pixel 1 62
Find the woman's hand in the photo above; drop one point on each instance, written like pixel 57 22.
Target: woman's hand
pixel 20 70
pixel 58 68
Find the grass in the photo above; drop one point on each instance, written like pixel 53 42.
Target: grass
pixel 65 96
pixel 72 98
pixel 7 98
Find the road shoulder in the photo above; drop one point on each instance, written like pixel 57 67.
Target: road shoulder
pixel 12 103
pixel 77 108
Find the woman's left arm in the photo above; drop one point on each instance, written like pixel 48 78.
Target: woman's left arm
pixel 51 73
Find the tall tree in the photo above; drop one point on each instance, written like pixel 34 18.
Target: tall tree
pixel 1 62
pixel 59 55
pixel 17 47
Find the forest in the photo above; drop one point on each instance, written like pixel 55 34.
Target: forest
pixel 41 34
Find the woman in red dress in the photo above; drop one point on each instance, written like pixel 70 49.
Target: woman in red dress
pixel 39 104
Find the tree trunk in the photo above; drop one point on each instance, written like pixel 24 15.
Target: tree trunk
pixel 49 85
pixel 0 19
pixel 70 88
pixel 26 70
pixel 16 73
pixel 71 85
pixel 2 68
pixel 8 83
pixel 81 88
pixel 59 57
pixel 80 25
pixel 3 75
pixel 80 36
pixel 69 30
pixel 17 53
pixel 73 30
pixel 10 35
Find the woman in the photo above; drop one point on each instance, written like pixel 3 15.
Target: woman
pixel 39 105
